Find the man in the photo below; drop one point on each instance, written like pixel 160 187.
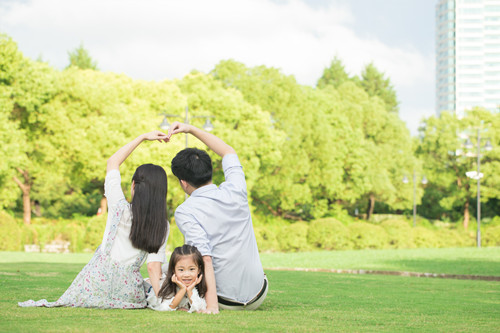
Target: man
pixel 217 221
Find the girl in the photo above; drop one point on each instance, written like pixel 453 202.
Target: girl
pixel 184 287
pixel 112 279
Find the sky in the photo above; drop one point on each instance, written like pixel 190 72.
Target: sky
pixel 167 39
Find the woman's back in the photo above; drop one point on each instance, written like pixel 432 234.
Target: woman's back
pixel 122 249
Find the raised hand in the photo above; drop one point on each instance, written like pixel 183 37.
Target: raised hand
pixel 178 127
pixel 156 135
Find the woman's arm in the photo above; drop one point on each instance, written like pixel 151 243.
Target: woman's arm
pixel 121 155
pixel 154 272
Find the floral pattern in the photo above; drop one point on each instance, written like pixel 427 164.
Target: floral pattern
pixel 104 282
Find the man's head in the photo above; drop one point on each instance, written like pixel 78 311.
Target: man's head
pixel 193 166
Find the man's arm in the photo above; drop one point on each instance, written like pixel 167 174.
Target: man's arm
pixel 211 295
pixel 217 145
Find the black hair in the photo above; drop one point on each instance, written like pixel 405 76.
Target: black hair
pixel 192 165
pixel 149 208
pixel 168 289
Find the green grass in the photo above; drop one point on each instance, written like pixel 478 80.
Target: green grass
pixel 470 261
pixel 297 301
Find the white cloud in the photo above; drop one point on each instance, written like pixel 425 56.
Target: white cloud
pixel 160 39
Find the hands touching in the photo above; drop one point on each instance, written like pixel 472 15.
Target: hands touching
pixel 156 135
pixel 176 128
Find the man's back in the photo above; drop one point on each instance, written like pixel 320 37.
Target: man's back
pixel 217 221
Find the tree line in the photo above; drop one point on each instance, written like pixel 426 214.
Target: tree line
pixel 307 151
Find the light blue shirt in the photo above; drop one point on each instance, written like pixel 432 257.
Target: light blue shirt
pixel 217 221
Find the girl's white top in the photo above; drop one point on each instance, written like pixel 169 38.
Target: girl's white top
pixel 198 303
pixel 123 250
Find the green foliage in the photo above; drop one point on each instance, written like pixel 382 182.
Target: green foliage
pixel 368 236
pixel 175 237
pixel 267 238
pixel 58 128
pixel 293 237
pixel 425 238
pixel 328 234
pixel 450 194
pixel 399 233
pixel 81 59
pixel 334 75
pixel 491 236
pixel 375 83
pixel 10 237
pixel 453 238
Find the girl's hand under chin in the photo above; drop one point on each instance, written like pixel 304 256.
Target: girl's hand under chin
pixel 195 283
pixel 178 283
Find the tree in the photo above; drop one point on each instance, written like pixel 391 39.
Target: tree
pixel 375 83
pixel 334 75
pixel 80 58
pixel 30 85
pixel 385 151
pixel 446 163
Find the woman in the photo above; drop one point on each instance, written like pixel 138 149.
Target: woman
pixel 134 232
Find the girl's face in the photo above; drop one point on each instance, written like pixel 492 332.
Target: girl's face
pixel 186 270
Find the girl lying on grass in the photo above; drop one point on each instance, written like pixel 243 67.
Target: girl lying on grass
pixel 184 287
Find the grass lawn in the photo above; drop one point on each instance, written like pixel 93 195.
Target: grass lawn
pixel 297 301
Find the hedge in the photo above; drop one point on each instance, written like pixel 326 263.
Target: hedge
pixel 85 234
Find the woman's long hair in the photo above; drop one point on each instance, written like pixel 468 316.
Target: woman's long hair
pixel 168 289
pixel 149 208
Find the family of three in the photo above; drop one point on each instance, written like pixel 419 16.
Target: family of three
pixel 218 267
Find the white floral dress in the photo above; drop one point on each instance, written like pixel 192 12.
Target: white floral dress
pixel 104 282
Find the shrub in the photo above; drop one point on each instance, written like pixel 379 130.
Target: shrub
pixel 293 237
pixel 453 238
pixel 368 236
pixel 74 232
pixel 11 235
pixel 266 238
pixel 328 234
pixel 399 233
pixel 175 237
pixel 425 238
pixel 94 231
pixel 491 236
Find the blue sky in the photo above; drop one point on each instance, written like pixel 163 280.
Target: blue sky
pixel 166 39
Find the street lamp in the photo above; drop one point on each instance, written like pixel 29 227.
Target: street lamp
pixel 424 181
pixel 477 175
pixel 165 125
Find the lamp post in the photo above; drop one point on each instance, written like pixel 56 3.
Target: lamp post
pixel 165 125
pixel 478 175
pixel 424 181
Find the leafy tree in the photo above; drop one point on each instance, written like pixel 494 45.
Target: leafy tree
pixel 375 83
pixel 334 75
pixel 244 126
pixel 446 161
pixel 385 151
pixel 81 58
pixel 28 86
